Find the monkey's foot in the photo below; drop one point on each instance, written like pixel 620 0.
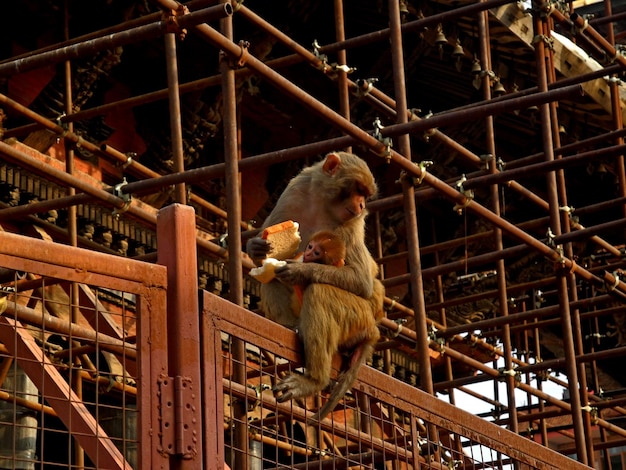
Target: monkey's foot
pixel 296 386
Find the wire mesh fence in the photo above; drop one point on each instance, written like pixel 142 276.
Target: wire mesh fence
pixel 70 375
pixel 381 423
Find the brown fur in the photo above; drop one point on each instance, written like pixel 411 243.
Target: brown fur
pixel 341 305
pixel 326 248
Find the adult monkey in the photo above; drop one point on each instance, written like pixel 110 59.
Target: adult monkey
pixel 341 306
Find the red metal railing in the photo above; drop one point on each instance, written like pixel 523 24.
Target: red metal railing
pixel 383 420
pixel 77 372
pixel 117 374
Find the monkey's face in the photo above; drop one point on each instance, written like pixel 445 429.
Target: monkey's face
pixel 313 253
pixel 346 186
pixel 351 201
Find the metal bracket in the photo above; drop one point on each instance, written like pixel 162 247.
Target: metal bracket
pixel 126 197
pixel 469 195
pixel 364 86
pixel 323 58
pixel 548 41
pixel 177 405
pixel 170 18
pixel 516 374
pixel 386 141
pixel 399 322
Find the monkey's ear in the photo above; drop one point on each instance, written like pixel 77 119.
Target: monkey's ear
pixel 331 164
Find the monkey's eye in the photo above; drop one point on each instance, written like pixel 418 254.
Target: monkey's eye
pixel 362 191
pixel 309 246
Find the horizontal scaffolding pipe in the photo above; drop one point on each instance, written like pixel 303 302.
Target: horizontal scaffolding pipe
pixel 47 322
pixel 514 318
pixel 111 41
pixel 534 170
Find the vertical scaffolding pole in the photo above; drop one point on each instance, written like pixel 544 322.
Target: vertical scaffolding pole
pixel 568 247
pixel 404 147
pixel 78 451
pixel 176 127
pixel 342 78
pixel 233 208
pixel 539 20
pixel 509 377
pixel 413 254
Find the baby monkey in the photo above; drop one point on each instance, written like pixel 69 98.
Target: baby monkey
pixel 324 247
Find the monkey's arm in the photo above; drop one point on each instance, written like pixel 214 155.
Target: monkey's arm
pixel 357 280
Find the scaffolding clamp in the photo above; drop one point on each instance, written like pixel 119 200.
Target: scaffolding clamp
pixel 517 376
pixel 323 58
pixel 126 197
pixel 423 165
pixel 615 285
pixel 343 68
pixel 170 17
pixel 593 412
pixel 243 53
pixel 129 159
pixel 469 195
pixel 258 390
pixel 386 141
pixel 364 86
pixel 486 158
pixel 399 322
pixel 548 41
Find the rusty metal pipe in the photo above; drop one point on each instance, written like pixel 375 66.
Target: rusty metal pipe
pixel 539 24
pixel 48 322
pixel 342 76
pixel 521 317
pixel 113 40
pixel 176 129
pixel 410 210
pixel 546 166
pixel 582 29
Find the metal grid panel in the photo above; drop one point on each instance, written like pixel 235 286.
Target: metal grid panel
pixel 62 374
pixel 70 376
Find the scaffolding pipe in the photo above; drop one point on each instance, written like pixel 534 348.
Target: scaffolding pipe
pixel 63 178
pixel 410 210
pixel 242 458
pixel 111 41
pixel 176 129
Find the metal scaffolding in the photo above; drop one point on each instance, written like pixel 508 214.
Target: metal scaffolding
pixel 571 289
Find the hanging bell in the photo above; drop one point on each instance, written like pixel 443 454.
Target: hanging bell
pixel 457 54
pixel 476 68
pixel 498 89
pixel 404 9
pixel 440 39
pixel 458 51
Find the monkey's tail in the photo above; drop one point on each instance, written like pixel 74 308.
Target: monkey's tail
pixel 345 379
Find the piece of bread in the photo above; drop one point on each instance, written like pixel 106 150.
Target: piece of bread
pixel 265 272
pixel 284 239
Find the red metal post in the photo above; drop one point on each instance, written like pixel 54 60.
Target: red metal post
pixel 176 234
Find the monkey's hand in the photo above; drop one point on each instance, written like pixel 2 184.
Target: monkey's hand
pixel 346 278
pixel 258 248
pixel 296 273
